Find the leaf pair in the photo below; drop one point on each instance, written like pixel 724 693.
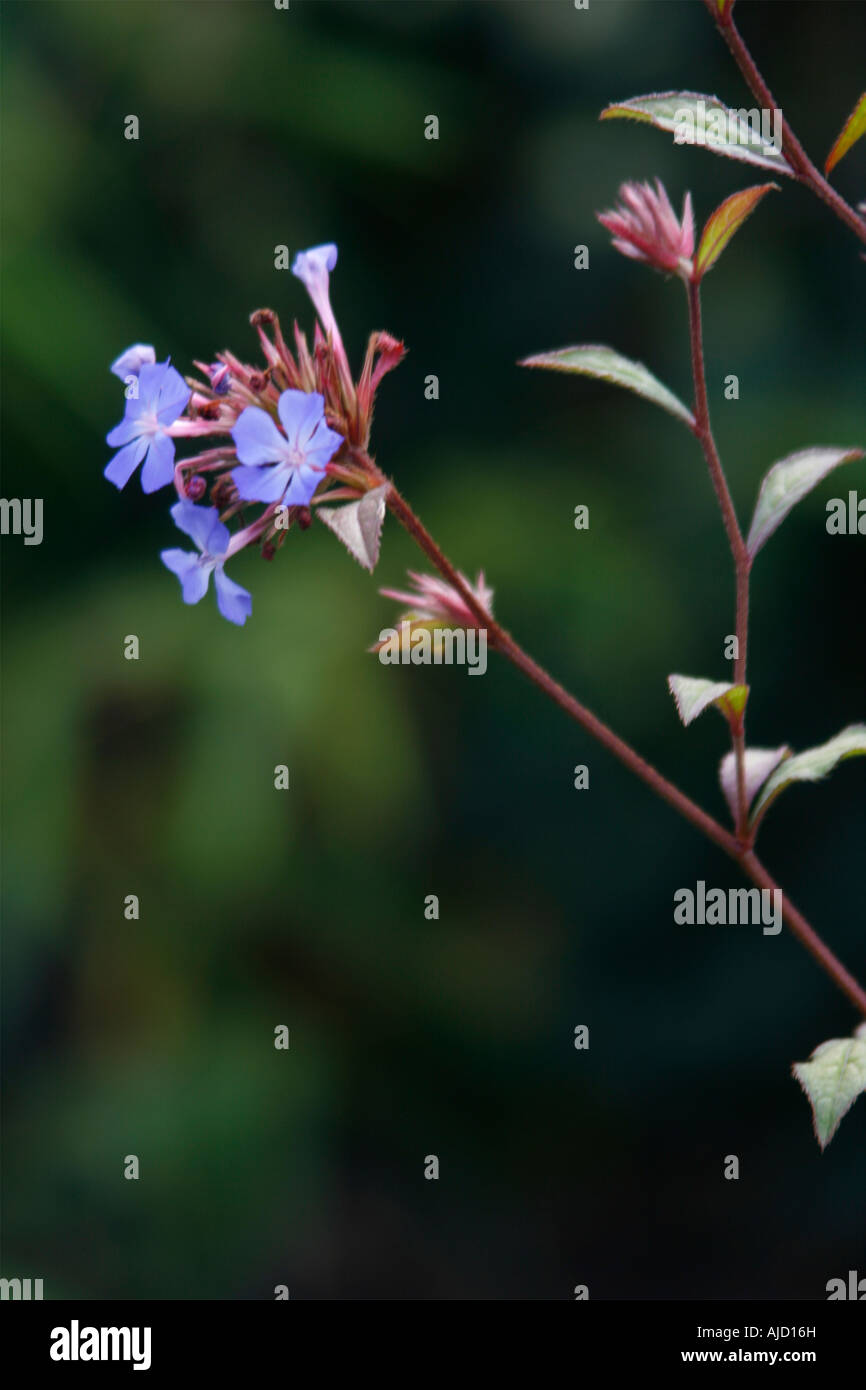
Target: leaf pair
pixel 786 482
pixel 768 771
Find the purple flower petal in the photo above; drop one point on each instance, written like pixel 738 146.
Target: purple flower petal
pixel 233 602
pixel 193 575
pixel 257 438
pixel 150 380
pixel 303 484
pixel 125 461
pixel 323 446
pixel 313 267
pixel 174 397
pixel 300 413
pixel 130 363
pixel 198 524
pixel 129 427
pixel 261 484
pixel 158 467
pixel 315 261
pixel 219 536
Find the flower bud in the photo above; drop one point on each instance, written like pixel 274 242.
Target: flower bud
pixel 196 488
pixel 645 228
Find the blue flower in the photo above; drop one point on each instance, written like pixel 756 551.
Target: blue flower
pixel 162 396
pixel 299 456
pixel 130 363
pixel 203 525
pixel 313 268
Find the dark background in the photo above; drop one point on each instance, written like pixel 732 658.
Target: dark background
pixel 261 127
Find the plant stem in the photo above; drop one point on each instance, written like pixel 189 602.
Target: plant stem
pixel 503 641
pixel 739 552
pixel 804 170
pixel 806 935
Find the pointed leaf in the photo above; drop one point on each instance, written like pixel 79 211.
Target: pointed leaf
pixel 812 765
pixel 758 763
pixel 359 525
pixel 854 127
pixel 607 365
pixel 701 120
pixel 833 1078
pixel 786 483
pixel 727 219
pixel 693 695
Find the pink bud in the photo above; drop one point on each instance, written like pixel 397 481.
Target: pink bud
pixel 645 228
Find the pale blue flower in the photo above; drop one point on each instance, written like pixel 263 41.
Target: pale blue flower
pixel 203 525
pixel 162 397
pixel 313 268
pixel 298 456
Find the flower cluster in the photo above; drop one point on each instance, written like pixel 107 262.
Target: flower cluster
pixel 283 436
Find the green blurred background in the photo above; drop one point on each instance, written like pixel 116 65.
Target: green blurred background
pixel 261 127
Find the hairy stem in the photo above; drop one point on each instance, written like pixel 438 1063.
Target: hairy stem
pixel 739 552
pixel 804 170
pixel 503 642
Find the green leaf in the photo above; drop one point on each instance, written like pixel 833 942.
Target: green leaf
pixel 786 483
pixel 702 120
pixel 833 1078
pixel 758 763
pixel 727 219
pixel 359 525
pixel 693 695
pixel 811 765
pixel 607 365
pixel 854 127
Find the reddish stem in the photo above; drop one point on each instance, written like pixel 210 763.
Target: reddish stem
pixel 739 552
pixel 505 643
pixel 804 170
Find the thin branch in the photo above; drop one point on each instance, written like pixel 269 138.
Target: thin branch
pixel 502 641
pixel 804 170
pixel 739 551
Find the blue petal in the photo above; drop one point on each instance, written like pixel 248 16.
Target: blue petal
pixel 323 445
pixel 303 485
pixel 218 537
pixel 129 427
pixel 300 413
pixel 130 363
pixel 174 397
pixel 257 438
pixel 195 522
pixel 261 484
pixel 314 261
pixel 158 467
pixel 150 380
pixel 193 575
pixel 125 461
pixel 233 602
